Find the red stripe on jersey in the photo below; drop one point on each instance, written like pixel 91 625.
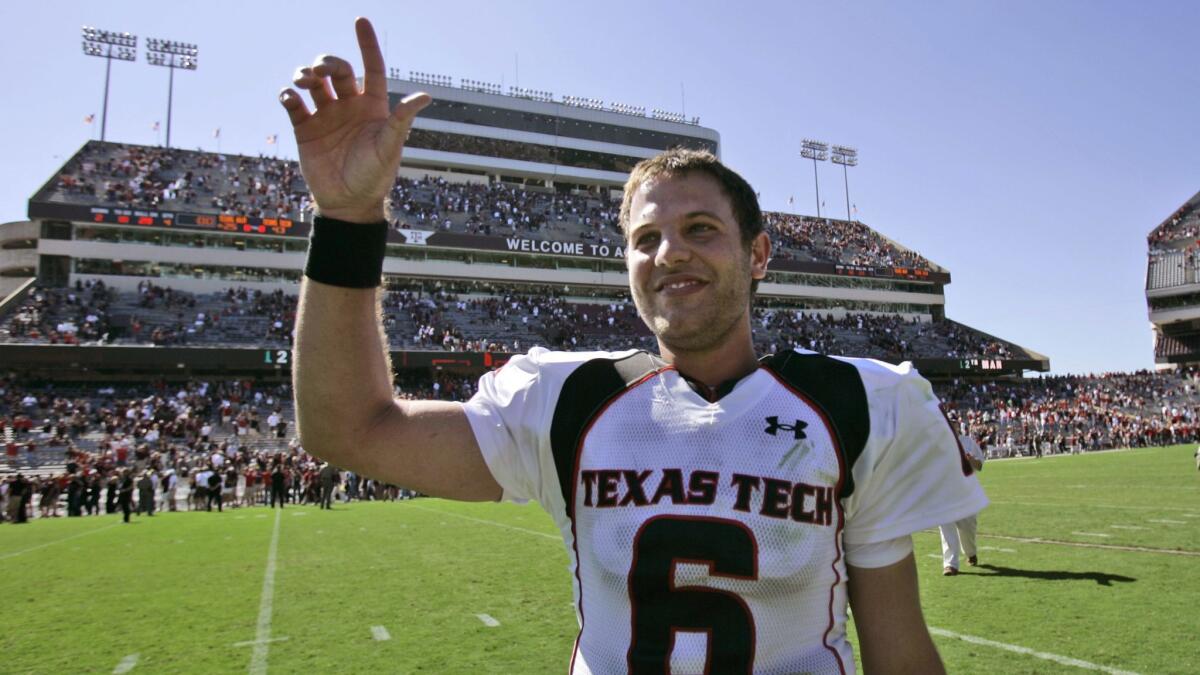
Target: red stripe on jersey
pixel 575 486
pixel 837 537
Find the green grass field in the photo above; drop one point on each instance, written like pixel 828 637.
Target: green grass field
pixel 184 591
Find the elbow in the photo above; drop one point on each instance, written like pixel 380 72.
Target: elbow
pixel 339 433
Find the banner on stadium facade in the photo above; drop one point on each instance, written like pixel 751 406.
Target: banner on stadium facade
pixel 415 237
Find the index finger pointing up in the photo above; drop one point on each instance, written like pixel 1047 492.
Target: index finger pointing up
pixel 374 72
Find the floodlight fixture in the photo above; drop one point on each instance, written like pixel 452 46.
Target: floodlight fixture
pixel 108 45
pixel 171 54
pixel 817 151
pixel 846 156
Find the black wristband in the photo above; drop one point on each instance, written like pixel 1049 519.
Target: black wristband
pixel 344 254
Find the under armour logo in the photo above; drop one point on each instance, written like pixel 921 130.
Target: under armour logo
pixel 774 426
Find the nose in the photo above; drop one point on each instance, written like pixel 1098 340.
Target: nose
pixel 672 250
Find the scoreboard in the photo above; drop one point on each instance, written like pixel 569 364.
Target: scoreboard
pixel 193 221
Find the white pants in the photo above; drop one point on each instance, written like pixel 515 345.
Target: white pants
pixel 955 535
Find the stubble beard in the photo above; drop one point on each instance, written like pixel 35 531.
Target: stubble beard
pixel 704 329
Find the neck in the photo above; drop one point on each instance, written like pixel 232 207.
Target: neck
pixel 732 358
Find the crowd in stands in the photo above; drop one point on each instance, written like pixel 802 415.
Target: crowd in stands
pixel 462 316
pixel 1078 413
pixel 1184 224
pixel 135 176
pixel 228 444
pixel 180 180
pixel 848 242
pixel 216 444
pixel 92 313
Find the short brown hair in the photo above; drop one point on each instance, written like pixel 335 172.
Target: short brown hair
pixel 681 161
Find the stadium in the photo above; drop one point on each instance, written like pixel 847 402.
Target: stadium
pixel 147 312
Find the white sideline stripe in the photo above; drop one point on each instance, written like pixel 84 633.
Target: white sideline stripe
pixel 1092 534
pixel 56 541
pixel 1128 527
pixel 1168 522
pixel 126 664
pixel 380 633
pixel 1081 544
pixel 933 555
pixel 488 522
pixel 258 660
pixel 488 620
pixel 997 548
pixel 1064 660
pixel 247 643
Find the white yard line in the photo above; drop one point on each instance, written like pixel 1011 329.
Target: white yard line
pixel 1168 522
pixel 1092 534
pixel 997 548
pixel 258 660
pixel 380 633
pixel 57 541
pixel 1128 527
pixel 247 643
pixel 487 620
pixel 1056 658
pixel 1095 506
pixel 126 664
pixel 488 522
pixel 1081 544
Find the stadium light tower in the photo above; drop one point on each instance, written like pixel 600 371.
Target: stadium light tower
pixel 171 54
pixel 817 152
pixel 846 156
pixel 108 46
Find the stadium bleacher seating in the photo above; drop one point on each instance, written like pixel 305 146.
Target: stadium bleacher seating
pixel 132 176
pixel 460 317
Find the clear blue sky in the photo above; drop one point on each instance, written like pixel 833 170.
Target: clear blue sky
pixel 1027 146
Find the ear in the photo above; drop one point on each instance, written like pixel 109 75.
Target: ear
pixel 760 255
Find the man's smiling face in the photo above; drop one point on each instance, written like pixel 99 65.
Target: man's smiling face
pixel 689 271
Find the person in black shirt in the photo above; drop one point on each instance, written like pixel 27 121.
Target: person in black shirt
pixel 214 490
pixel 20 492
pixel 125 493
pixel 110 499
pixel 93 495
pixel 75 493
pixel 278 485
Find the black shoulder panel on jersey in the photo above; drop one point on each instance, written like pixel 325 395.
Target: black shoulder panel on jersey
pixel 584 395
pixel 837 389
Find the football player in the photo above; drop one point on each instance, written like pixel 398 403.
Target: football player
pixel 720 511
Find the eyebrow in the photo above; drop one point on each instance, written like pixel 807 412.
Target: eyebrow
pixel 686 216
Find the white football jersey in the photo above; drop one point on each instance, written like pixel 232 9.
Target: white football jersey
pixel 709 536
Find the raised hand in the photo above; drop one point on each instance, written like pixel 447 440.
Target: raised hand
pixel 350 146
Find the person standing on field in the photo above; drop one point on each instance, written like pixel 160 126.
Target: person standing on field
pixel 145 494
pixel 125 493
pixel 721 512
pixel 278 484
pixel 961 533
pixel 329 478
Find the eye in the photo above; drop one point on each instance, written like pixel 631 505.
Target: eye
pixel 646 239
pixel 701 227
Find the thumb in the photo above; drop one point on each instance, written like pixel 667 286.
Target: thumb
pixel 395 133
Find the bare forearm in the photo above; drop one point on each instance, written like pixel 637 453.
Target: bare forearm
pixel 341 370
